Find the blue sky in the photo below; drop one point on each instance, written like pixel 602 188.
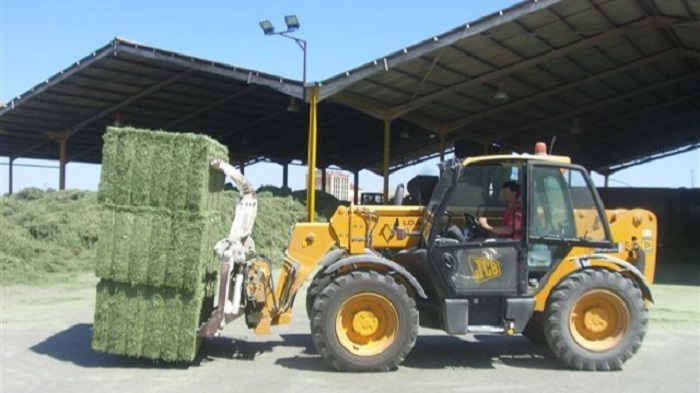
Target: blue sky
pixel 38 38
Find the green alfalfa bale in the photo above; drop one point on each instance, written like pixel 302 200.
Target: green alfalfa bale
pixel 146 246
pixel 108 176
pixel 159 169
pixel 105 242
pixel 139 246
pixel 123 167
pixel 185 269
pixel 142 321
pixel 100 326
pixel 159 248
pixel 210 235
pixel 178 177
pixel 133 337
pixel 154 322
pixel 119 265
pixel 172 327
pixel 188 339
pixel 206 182
pixel 141 169
pixel 161 163
pixel 117 325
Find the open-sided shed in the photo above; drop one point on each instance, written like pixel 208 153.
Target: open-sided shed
pixel 615 81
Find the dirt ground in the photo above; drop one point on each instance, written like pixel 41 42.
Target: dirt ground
pixel 45 338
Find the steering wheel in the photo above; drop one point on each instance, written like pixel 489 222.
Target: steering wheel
pixel 473 228
pixel 451 230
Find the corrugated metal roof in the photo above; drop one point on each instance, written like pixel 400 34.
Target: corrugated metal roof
pixel 614 80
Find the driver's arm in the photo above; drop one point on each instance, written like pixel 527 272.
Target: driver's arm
pixel 506 230
pixel 499 231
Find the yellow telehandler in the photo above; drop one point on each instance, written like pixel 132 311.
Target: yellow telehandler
pixel 572 275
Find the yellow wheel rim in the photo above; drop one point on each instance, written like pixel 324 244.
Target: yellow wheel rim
pixel 366 324
pixel 599 320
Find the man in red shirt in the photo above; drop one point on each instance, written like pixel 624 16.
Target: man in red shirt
pixel 512 222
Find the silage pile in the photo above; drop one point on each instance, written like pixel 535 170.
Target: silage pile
pixel 163 210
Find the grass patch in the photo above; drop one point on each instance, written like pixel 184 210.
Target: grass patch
pixel 47 235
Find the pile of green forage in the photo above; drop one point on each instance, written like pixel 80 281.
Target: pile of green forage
pixel 162 212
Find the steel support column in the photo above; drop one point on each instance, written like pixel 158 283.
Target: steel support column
pixel 9 177
pixel 311 158
pixel 387 153
pixel 285 175
pixel 63 154
pixel 356 187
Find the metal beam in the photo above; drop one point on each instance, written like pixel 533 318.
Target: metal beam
pixel 556 53
pixel 84 152
pixel 459 123
pixel 42 137
pixel 507 133
pixel 31 148
pixel 362 104
pixel 379 111
pixel 210 106
pixel 427 74
pixel 645 160
pixel 285 86
pixel 610 137
pixel 645 109
pixel 259 121
pixel 76 128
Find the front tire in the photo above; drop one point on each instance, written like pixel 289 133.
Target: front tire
pixel 595 320
pixel 364 321
pixel 320 281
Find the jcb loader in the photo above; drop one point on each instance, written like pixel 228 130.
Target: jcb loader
pixel 577 277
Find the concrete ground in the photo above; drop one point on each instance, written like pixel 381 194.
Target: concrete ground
pixel 45 338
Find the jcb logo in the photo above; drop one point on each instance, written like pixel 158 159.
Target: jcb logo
pixel 484 269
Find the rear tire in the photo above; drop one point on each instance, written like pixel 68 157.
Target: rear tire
pixel 595 320
pixel 364 321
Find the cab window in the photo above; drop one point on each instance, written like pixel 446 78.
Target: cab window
pixel 563 205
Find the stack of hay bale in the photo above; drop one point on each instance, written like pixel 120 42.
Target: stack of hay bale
pixel 162 214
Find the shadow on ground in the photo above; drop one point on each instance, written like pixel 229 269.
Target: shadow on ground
pixel 430 352
pixel 443 352
pixel 75 345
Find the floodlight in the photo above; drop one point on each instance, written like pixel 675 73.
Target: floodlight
pixel 292 23
pixel 267 27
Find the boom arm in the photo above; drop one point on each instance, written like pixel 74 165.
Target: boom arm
pixel 232 251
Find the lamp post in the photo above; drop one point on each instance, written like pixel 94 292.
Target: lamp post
pixel 293 25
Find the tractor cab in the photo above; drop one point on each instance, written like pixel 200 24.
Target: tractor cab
pixel 484 274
